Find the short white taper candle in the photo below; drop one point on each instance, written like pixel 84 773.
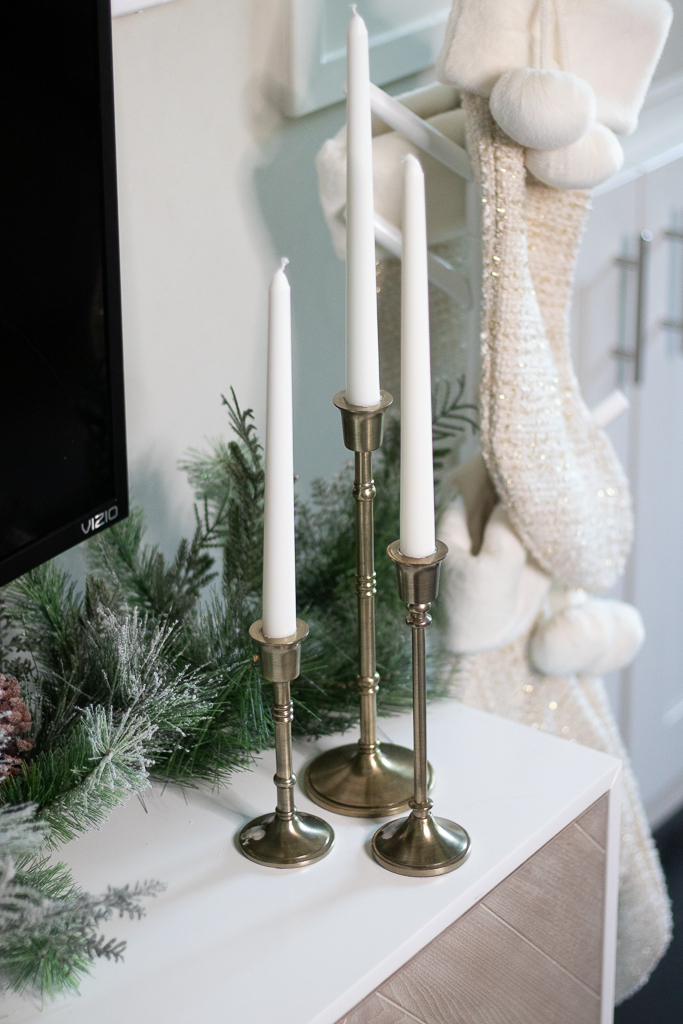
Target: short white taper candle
pixel 279 569
pixel 418 537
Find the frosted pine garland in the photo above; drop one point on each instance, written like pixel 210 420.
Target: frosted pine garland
pixel 49 929
pixel 139 678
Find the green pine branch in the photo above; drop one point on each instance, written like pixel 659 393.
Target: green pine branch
pixel 143 676
pixel 140 645
pixel 452 418
pixel 140 573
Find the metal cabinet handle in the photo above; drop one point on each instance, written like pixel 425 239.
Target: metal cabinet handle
pixel 676 325
pixel 641 265
pixel 644 243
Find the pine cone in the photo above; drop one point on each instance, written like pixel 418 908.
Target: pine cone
pixel 9 766
pixel 15 718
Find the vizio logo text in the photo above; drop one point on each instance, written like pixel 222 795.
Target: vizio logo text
pixel 95 522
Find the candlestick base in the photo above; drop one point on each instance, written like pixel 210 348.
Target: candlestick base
pixel 421 845
pixel 362 783
pixel 285 838
pixel 281 842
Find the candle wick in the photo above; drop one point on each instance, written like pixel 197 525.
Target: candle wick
pixel 354 8
pixel 283 262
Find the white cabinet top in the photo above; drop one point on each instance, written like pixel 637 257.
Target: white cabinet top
pixel 231 942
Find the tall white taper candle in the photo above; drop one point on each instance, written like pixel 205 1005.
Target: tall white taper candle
pixel 279 571
pixel 418 538
pixel 362 351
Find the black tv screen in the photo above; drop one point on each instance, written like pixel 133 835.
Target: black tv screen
pixel 62 432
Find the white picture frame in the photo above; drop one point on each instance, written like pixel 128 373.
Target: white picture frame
pixel 310 69
pixel 121 7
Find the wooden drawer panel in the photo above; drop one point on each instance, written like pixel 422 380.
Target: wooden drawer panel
pixel 556 901
pixel 479 971
pixel 374 1010
pixel 594 821
pixel 529 953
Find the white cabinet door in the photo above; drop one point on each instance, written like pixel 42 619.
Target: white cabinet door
pixel 656 678
pixel 648 697
pixel 602 321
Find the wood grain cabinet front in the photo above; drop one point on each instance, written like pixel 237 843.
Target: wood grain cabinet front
pixel 530 952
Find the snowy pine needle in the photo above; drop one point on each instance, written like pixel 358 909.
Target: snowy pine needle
pixel 146 675
pixel 50 929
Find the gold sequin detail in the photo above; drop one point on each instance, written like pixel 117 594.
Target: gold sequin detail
pixel 554 469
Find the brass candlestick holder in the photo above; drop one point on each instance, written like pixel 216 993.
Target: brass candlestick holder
pixel 286 838
pixel 420 844
pixel 364 779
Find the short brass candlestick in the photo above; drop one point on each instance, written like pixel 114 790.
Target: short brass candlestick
pixel 364 779
pixel 286 838
pixel 420 844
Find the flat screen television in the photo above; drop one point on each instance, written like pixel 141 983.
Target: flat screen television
pixel 63 470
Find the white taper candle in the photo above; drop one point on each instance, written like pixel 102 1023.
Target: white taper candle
pixel 362 350
pixel 279 570
pixel 418 538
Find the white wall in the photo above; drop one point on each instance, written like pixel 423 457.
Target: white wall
pixel 671 61
pixel 214 187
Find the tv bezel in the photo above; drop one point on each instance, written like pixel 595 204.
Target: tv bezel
pixel 77 530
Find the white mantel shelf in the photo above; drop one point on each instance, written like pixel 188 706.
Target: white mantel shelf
pixel 230 942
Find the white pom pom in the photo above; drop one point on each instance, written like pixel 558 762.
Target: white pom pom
pixel 543 109
pixel 572 639
pixel 585 164
pixel 595 638
pixel 629 636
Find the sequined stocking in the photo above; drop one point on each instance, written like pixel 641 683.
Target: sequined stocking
pixel 567 496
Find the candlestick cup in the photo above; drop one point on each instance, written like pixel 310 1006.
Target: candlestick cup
pixel 365 779
pixel 420 844
pixel 285 838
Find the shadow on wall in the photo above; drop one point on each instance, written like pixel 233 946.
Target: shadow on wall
pixel 287 193
pixel 150 490
pixel 286 189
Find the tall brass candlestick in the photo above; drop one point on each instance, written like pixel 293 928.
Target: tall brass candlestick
pixel 364 779
pixel 420 844
pixel 285 838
